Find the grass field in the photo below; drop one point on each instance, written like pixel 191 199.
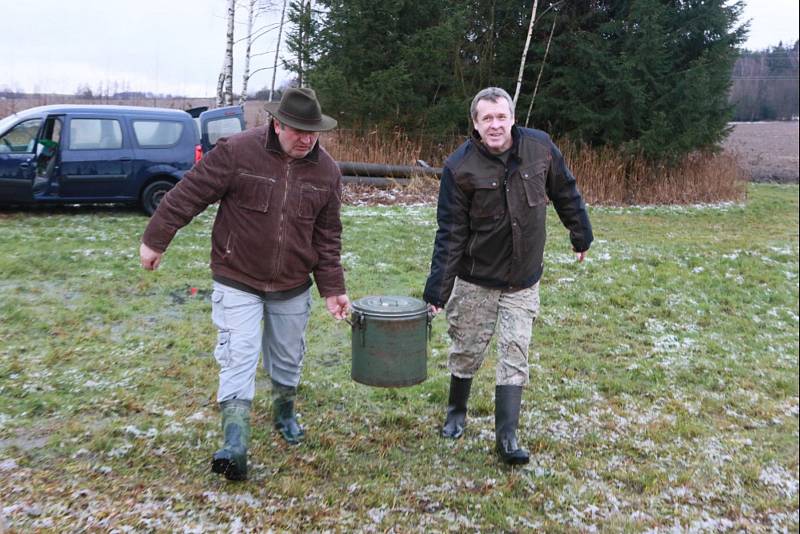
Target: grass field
pixel 664 392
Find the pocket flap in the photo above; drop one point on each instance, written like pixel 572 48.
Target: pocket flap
pixel 486 183
pixel 253 192
pixel 533 181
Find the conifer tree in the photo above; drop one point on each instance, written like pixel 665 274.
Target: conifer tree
pixel 650 76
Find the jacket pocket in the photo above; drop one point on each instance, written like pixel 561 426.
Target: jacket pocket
pixel 310 201
pixel 253 192
pixel 533 181
pixel 487 199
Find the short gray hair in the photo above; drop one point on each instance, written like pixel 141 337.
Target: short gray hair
pixel 492 94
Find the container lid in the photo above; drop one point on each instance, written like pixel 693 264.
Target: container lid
pixel 390 306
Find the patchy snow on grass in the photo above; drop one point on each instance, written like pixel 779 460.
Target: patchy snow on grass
pixel 672 344
pixel 199 416
pixel 121 451
pixel 672 208
pixel 778 477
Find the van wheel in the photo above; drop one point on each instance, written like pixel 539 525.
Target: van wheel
pixel 153 193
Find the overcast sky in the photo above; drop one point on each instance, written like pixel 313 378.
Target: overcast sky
pixel 177 46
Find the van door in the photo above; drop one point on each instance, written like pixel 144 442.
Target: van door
pixel 220 122
pixel 18 161
pixel 48 147
pixel 96 159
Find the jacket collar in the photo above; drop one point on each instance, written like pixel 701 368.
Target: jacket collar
pixel 513 151
pixel 274 145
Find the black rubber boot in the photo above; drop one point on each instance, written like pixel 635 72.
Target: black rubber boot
pixel 283 413
pixel 231 459
pixel 506 419
pixel 456 419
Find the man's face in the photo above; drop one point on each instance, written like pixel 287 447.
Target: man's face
pixel 493 121
pixel 296 143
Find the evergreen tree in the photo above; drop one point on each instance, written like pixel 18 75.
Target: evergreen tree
pixel 300 41
pixel 387 62
pixel 650 76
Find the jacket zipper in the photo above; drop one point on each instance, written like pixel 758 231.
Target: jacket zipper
pixel 471 244
pixel 280 224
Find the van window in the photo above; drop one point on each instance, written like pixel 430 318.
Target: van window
pixel 21 138
pixel 222 128
pixel 157 133
pixel 94 134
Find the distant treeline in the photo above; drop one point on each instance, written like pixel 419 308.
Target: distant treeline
pixel 765 84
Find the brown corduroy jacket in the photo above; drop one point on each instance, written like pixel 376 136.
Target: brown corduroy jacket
pixel 278 219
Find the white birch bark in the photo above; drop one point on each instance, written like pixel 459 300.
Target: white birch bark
pixel 541 69
pixel 525 51
pixel 277 51
pixel 246 75
pixel 225 97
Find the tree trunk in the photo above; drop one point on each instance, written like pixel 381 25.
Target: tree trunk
pixel 221 86
pixel 246 75
pixel 541 69
pixel 525 51
pixel 225 96
pixel 303 40
pixel 277 51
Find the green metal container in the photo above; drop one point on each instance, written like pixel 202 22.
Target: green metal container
pixel 390 341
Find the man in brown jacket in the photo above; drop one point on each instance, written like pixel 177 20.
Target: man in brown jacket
pixel 278 222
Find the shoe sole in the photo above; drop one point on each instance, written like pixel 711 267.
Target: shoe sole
pixel 223 466
pixel 512 460
pixel 289 441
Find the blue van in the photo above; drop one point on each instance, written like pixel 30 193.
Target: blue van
pixel 72 154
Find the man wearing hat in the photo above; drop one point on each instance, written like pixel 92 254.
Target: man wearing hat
pixel 278 223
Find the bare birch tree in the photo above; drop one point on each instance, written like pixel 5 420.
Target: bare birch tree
pixel 541 69
pixel 246 75
pixel 525 51
pixel 221 85
pixel 225 87
pixel 277 49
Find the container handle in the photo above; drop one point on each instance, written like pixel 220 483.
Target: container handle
pixel 430 326
pixel 359 323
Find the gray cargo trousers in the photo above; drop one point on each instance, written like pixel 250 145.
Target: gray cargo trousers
pixel 249 326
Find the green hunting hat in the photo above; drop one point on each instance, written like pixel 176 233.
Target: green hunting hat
pixel 299 108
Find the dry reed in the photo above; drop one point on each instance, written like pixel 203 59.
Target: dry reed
pixel 606 176
pixel 394 147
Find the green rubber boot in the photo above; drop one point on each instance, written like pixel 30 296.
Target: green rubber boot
pixel 231 459
pixel 283 413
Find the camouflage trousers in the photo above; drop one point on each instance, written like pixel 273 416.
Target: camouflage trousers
pixel 473 315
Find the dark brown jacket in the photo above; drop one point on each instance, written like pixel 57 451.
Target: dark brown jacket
pixel 278 218
pixel 491 214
